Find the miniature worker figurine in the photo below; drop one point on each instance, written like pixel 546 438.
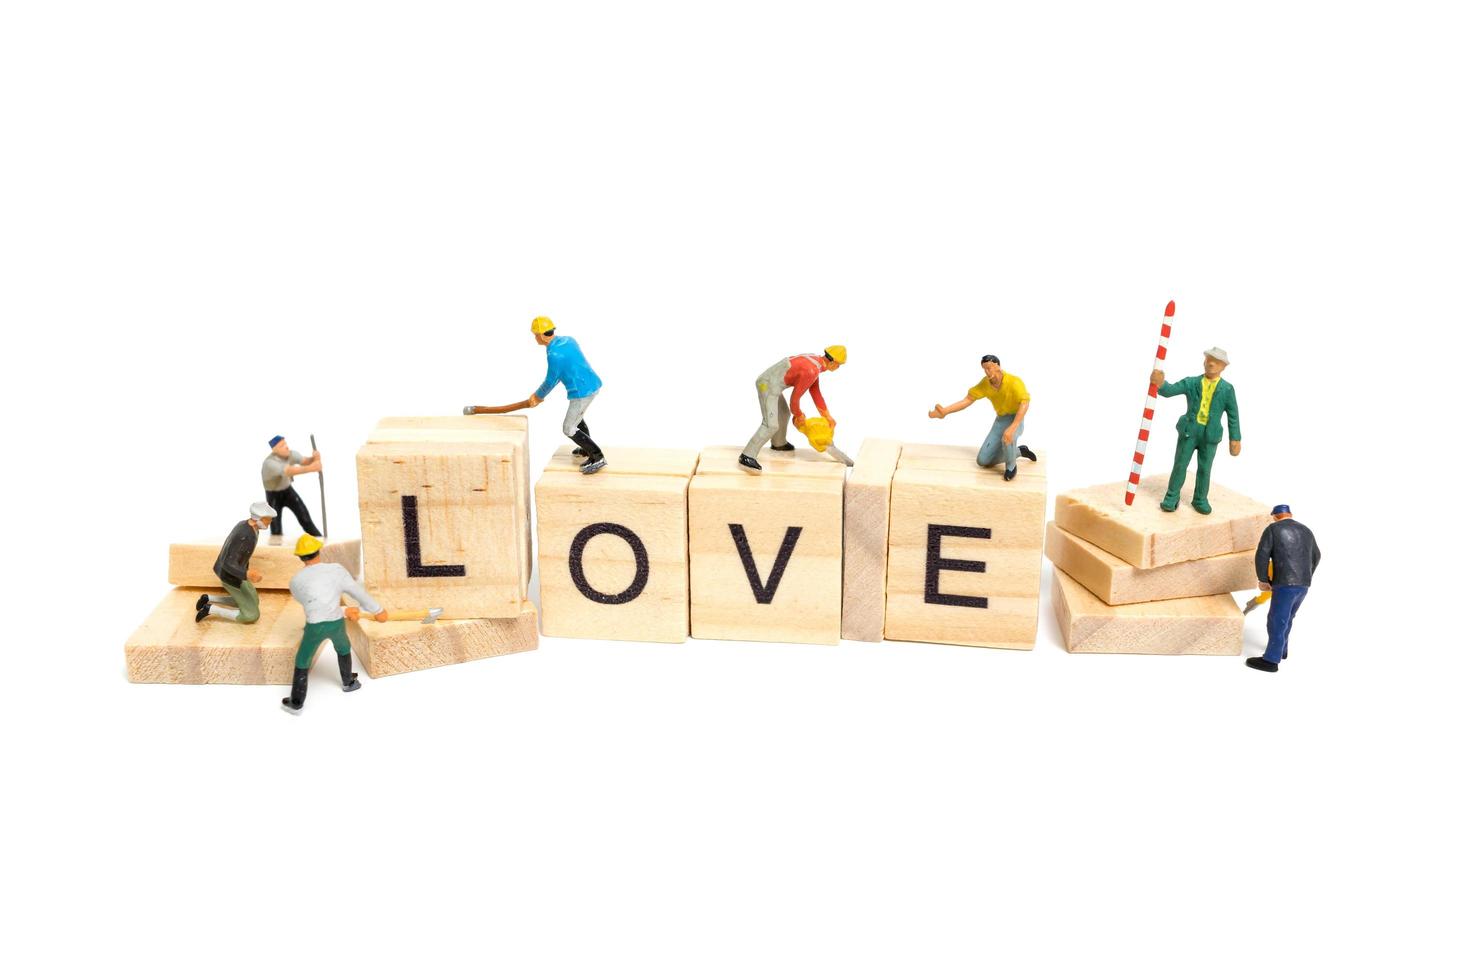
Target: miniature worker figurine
pixel 567 365
pixel 277 472
pixel 319 588
pixel 801 373
pixel 1008 395
pixel 1285 560
pixel 1209 396
pixel 241 603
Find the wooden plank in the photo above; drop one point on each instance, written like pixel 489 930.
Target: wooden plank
pixel 441 526
pixel 170 648
pixel 509 430
pixel 788 517
pixel 397 648
pixel 865 540
pixel 1116 582
pixel 1202 625
pixel 629 524
pixel 1147 537
pixel 946 509
pixel 191 563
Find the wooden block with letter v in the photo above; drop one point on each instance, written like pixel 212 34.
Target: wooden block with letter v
pixel 170 648
pixel 765 549
pixel 400 647
pixel 1209 625
pixel 964 550
pixel 1147 537
pixel 191 564
pixel 614 546
pixel 445 518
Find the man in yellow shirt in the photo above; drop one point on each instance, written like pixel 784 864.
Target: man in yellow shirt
pixel 1007 393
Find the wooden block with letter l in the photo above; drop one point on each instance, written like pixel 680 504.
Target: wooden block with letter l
pixel 765 549
pixel 444 524
pixel 508 430
pixel 170 648
pixel 964 550
pixel 614 546
pixel 1116 582
pixel 191 564
pixel 865 540
pixel 1205 625
pixel 1147 537
pixel 399 647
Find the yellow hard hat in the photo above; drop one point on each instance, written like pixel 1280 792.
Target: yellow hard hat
pixel 306 546
pixel 818 432
pixel 837 352
pixel 542 325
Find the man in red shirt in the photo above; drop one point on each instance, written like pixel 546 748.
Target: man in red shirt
pixel 800 373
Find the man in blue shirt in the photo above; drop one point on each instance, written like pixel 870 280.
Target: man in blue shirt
pixel 566 365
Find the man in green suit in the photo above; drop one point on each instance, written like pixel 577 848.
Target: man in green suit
pixel 1199 428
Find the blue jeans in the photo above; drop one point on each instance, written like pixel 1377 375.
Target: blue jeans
pixel 993 447
pixel 1285 601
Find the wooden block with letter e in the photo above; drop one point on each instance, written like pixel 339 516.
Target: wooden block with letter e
pixel 1208 625
pixel 170 648
pixel 865 540
pixel 964 550
pixel 399 647
pixel 614 546
pixel 191 564
pixel 1116 582
pixel 444 524
pixel 765 549
pixel 1147 537
pixel 501 429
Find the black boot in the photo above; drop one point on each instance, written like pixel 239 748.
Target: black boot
pixel 749 462
pixel 349 679
pixel 201 613
pixel 1010 474
pixel 203 602
pixel 1026 453
pixel 1261 663
pixel 788 448
pixel 589 449
pixel 582 428
pixel 297 700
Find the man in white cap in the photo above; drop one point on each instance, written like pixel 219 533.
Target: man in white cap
pixel 1209 396
pixel 240 604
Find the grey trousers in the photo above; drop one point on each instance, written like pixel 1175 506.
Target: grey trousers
pixel 576 408
pixel 775 413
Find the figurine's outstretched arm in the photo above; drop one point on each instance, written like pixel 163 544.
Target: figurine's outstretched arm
pixel 940 411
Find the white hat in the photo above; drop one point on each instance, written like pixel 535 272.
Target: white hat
pixel 1218 355
pixel 262 512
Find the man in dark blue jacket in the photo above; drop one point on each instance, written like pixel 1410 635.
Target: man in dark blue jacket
pixel 1285 560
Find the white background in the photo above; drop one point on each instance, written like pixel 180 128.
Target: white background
pixel 220 222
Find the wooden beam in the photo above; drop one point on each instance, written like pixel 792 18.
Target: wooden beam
pixel 1203 625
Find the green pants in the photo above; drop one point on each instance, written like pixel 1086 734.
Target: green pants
pixel 245 599
pixel 1192 440
pixel 318 633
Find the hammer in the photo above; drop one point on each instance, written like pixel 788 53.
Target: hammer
pixel 495 409
pixel 400 615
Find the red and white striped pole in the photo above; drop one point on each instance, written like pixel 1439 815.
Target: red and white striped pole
pixel 1148 408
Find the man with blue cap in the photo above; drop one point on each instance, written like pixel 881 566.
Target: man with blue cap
pixel 1285 560
pixel 276 474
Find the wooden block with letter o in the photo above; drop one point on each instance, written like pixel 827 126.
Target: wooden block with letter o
pixel 964 550
pixel 614 546
pixel 765 550
pixel 444 522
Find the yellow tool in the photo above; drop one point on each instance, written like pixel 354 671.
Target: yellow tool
pixel 398 615
pixel 1259 600
pixel 818 432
